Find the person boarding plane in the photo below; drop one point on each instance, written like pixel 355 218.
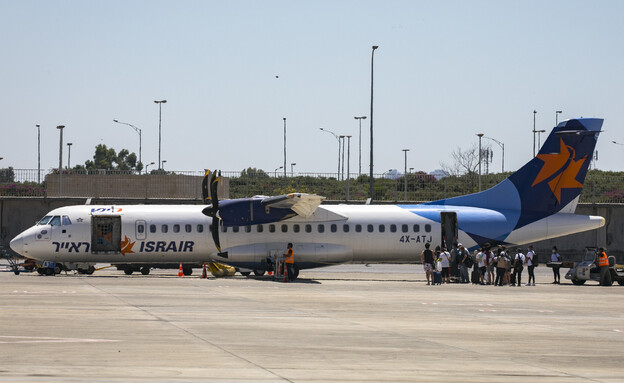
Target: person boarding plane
pixel 536 202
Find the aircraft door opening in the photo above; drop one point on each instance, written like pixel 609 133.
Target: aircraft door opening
pixel 448 224
pixel 140 228
pixel 105 234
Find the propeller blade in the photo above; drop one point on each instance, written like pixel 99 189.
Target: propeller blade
pixel 205 191
pixel 214 196
pixel 215 233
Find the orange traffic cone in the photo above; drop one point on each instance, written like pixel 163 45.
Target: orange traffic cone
pixel 204 272
pixel 180 272
pixel 285 273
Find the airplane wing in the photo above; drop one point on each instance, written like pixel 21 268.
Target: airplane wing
pixel 301 203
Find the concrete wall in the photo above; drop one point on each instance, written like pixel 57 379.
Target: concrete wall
pixel 17 214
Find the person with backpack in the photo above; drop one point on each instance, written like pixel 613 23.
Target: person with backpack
pixel 519 261
pixel 531 261
pixel 426 257
pixel 465 263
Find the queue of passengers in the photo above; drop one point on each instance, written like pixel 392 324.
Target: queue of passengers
pixel 497 267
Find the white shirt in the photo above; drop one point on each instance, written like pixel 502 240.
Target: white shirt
pixel 481 259
pixel 444 258
pixel 529 257
pixel 555 257
pixel 519 256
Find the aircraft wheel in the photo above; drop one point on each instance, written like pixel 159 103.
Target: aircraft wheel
pixel 258 273
pixel 621 282
pixel 90 270
pixel 16 272
pixel 145 270
pixel 187 270
pixel 128 272
pixel 245 273
pixel 578 282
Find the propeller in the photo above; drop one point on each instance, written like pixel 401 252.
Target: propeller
pixel 209 192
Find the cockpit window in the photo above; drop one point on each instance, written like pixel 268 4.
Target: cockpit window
pixel 66 221
pixel 45 220
pixel 56 221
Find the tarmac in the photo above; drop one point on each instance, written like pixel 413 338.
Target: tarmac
pixel 349 323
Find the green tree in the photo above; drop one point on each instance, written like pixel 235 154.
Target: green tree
pixel 108 159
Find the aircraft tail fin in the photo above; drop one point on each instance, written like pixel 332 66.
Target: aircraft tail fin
pixel 548 184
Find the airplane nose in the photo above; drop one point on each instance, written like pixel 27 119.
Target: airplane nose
pixel 17 244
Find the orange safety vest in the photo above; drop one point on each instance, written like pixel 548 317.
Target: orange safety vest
pixel 603 260
pixel 289 258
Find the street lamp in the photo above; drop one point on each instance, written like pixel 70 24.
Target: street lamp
pixel 534 113
pixel 348 163
pixel 360 144
pixel 480 135
pixel 60 167
pixel 337 139
pixel 502 145
pixel 539 135
pixel 38 153
pixel 342 137
pixel 159 126
pixel 292 169
pixel 138 130
pixel 162 167
pixel 276 169
pixel 69 145
pixel 284 149
pixel 371 123
pixel 405 172
pixel 557 113
pixel 146 166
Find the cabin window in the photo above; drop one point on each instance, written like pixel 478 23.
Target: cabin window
pixel 296 228
pixel 271 228
pixel 404 228
pixel 140 228
pixel 247 229
pixel 428 228
pixel 176 228
pixel 345 228
pixel 393 228
pixel 284 228
pixel 235 229
pixel 152 228
pixel 164 228
pixel 334 228
pixel 382 228
pixel 188 228
pixel 370 228
pixel 66 221
pixel 358 228
pixel 259 228
pixel 45 220
pixel 200 228
pixel 308 228
pixel 56 221
pixel 416 228
pixel 321 228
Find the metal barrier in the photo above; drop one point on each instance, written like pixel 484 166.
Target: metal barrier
pixel 600 187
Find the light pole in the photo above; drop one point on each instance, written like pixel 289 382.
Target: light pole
pixel 69 145
pixel 405 172
pixel 292 169
pixel 534 113
pixel 284 149
pixel 342 138
pixel 480 135
pixel 557 113
pixel 360 144
pixel 502 145
pixel 38 153
pixel 138 130
pixel 348 163
pixel 162 167
pixel 371 123
pixel 146 166
pixel 276 169
pixel 159 127
pixel 60 167
pixel 539 135
pixel 337 139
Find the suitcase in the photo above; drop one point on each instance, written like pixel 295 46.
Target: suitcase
pixel 475 277
pixel 437 278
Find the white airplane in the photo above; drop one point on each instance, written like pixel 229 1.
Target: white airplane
pixel 535 203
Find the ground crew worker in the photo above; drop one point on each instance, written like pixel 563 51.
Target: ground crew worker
pixel 603 264
pixel 289 259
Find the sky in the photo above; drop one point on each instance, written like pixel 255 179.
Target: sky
pixel 232 70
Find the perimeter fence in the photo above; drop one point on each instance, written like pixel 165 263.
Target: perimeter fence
pixel 600 186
